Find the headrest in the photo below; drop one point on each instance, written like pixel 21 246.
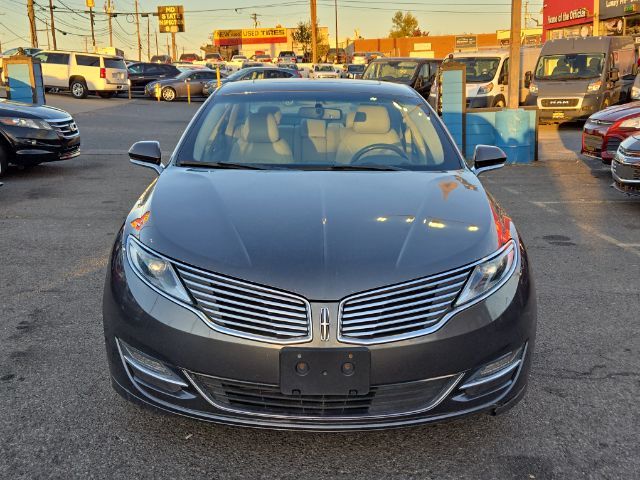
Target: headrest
pixel 377 120
pixel 277 114
pixel 314 128
pixel 351 116
pixel 260 128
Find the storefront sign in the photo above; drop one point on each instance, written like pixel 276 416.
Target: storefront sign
pixel 466 41
pixel 225 38
pixel 566 13
pixel 576 14
pixel 618 8
pixel 171 19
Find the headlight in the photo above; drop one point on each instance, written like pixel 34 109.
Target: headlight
pixel 155 271
pixel 485 89
pixel 533 88
pixel 631 123
pixel 635 93
pixel 594 86
pixel 25 123
pixel 490 275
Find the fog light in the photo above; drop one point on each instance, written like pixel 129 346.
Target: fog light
pixel 150 370
pixel 498 371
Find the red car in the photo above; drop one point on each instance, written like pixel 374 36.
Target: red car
pixel 605 130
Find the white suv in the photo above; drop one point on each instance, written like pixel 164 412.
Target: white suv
pixel 82 73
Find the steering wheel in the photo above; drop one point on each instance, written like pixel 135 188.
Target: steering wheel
pixel 355 160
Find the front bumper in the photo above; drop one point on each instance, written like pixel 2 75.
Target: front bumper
pixel 33 146
pixel 598 141
pixel 584 107
pixel 626 176
pixel 207 361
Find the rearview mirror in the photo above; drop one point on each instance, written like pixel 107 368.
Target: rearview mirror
pixel 147 154
pixel 488 157
pixel 528 77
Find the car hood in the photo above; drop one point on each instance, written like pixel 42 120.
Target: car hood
pixel 615 113
pixel 561 88
pixel 28 110
pixel 323 235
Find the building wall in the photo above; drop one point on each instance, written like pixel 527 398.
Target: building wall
pixel 441 45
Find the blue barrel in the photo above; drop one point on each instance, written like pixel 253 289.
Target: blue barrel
pixel 515 134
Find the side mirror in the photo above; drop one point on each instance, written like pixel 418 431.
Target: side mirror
pixel 528 77
pixel 488 157
pixel 614 75
pixel 147 154
pixel 504 79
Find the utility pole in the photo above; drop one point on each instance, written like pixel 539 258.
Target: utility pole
pixel 514 54
pixel 32 24
pixel 148 39
pixel 93 34
pixel 109 23
pixel 156 34
pixel 174 50
pixel 254 17
pixel 138 32
pixel 314 32
pixel 337 57
pixel 53 26
pixel 596 18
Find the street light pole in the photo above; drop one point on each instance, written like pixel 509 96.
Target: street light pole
pixel 514 54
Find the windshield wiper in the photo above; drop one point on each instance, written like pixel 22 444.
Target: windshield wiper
pixel 230 165
pixel 382 168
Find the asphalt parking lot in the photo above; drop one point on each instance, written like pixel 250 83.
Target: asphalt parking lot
pixel 60 418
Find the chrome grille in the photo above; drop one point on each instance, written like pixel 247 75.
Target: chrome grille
pixel 247 310
pixel 400 311
pixel 67 127
pixel 268 400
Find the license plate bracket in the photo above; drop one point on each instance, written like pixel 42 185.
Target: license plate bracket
pixel 335 371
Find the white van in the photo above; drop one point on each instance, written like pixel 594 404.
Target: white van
pixel 83 73
pixel 488 76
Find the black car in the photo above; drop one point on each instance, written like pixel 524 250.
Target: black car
pixel 253 73
pixel 419 73
pixel 317 255
pixel 141 73
pixel 33 134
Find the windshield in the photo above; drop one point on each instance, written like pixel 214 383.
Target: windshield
pixel 318 131
pixel 479 69
pixel 570 66
pixel 324 68
pixel 391 71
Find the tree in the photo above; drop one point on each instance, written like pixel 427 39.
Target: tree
pixel 302 36
pixel 404 25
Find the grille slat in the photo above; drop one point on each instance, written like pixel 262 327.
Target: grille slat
pixel 420 285
pixel 67 127
pixel 360 328
pixel 224 310
pixel 400 311
pixel 213 279
pixel 264 399
pixel 248 310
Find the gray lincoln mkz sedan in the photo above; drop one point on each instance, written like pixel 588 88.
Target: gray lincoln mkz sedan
pixel 317 255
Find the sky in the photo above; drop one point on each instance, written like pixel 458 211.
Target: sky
pixel 371 18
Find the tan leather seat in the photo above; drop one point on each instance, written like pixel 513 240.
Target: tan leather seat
pixel 376 128
pixel 313 141
pixel 260 142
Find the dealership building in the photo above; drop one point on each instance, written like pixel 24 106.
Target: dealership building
pixel 271 41
pixel 574 18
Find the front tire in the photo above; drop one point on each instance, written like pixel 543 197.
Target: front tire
pixel 168 94
pixel 79 89
pixel 4 159
pixel 606 103
pixel 499 103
